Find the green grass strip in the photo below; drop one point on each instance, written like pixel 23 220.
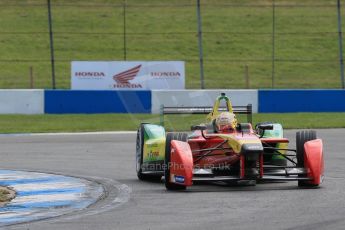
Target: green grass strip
pixel 122 122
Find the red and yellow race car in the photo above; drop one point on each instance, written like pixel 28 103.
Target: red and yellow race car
pixel 225 150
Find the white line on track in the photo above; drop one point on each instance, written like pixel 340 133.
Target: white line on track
pixel 57 185
pixel 70 134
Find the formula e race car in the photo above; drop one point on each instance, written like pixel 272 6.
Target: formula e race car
pixel 223 150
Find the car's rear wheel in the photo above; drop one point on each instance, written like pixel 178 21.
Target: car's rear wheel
pixel 301 138
pixel 172 136
pixel 139 157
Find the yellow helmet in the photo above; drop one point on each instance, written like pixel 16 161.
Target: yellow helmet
pixel 226 121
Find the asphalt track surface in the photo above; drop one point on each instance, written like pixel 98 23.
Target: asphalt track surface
pixel 133 204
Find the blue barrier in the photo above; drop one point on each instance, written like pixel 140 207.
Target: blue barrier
pixel 95 101
pixel 288 101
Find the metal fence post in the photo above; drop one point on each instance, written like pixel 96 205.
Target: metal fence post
pixel 273 41
pixel 246 76
pixel 161 115
pixel 31 77
pixel 51 44
pixel 124 31
pixel 341 60
pixel 201 55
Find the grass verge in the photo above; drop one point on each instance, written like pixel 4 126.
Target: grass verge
pixel 122 122
pixel 236 33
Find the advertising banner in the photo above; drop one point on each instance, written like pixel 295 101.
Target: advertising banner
pixel 127 75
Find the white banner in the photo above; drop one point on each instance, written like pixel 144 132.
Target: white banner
pixel 131 75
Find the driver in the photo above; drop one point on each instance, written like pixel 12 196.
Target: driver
pixel 225 122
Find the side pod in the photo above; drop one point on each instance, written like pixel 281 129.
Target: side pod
pixel 181 168
pixel 314 162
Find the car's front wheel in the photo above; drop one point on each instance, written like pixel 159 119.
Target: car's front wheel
pixel 139 157
pixel 167 161
pixel 301 138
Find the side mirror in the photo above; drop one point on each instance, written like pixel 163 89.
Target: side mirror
pixel 260 128
pixel 265 126
pixel 198 127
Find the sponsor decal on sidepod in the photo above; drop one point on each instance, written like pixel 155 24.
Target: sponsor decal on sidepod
pixel 179 179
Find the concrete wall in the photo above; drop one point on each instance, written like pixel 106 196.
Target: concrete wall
pixel 201 98
pixel 97 101
pixel 21 101
pixel 290 101
pixel 107 101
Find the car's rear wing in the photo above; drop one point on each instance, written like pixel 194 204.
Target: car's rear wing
pixel 246 109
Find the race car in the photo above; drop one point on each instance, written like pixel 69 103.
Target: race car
pixel 224 150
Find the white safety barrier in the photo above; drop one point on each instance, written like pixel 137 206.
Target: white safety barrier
pixel 33 101
pixel 201 98
pixel 21 101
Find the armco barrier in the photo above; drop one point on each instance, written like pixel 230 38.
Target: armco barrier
pixel 21 101
pixel 289 101
pixel 95 101
pixel 201 98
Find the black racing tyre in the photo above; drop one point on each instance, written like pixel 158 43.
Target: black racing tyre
pixel 139 156
pixel 301 138
pixel 169 138
pixel 139 152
